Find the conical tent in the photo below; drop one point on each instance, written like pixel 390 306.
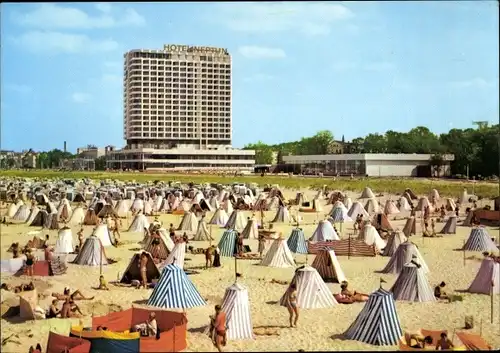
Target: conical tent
pixel 479 240
pixel 372 206
pixel 324 231
pixel 77 216
pixel 122 207
pixel 378 322
pixel 107 211
pixel 410 227
pixel 357 209
pixel 64 242
pixel 22 214
pixel 434 196
pixel 411 194
pixel 132 272
pixel 328 266
pixel 139 223
pixel 348 203
pixel 423 202
pixel 390 208
pixel 175 290
pixel 278 255
pixel 282 215
pixel 251 230
pixel 102 232
pixel 202 233
pixel 92 253
pixel 450 226
pixel 33 213
pixel 236 221
pixel 339 214
pixel 40 219
pixel 395 239
pixel 488 273
pixel 367 193
pixel 404 205
pixel 91 218
pixel 412 285
pixel 227 243
pixel 380 221
pixel 177 255
pixel 467 222
pixel 219 218
pixel 312 292
pixel 371 237
pixel 297 242
pixel 403 255
pixel 189 223
pixel 157 247
pixel 11 211
pixel 236 306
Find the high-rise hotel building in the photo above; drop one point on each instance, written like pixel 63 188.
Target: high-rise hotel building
pixel 177 111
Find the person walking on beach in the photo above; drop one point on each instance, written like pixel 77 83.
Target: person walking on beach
pixel 219 322
pixel 30 263
pixel 291 305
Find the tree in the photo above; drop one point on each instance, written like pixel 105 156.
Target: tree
pixel 100 163
pixel 437 162
pixel 10 162
pixel 263 152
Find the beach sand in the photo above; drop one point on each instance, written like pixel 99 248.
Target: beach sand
pixel 318 329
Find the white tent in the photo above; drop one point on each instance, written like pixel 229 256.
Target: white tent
pixel 236 221
pixel 122 207
pixel 357 209
pixel 405 253
pixel 367 193
pixel 202 233
pixel 102 232
pixel 77 216
pixel 395 239
pixel 236 306
pixel 189 223
pixel 278 255
pixel 11 211
pixel 372 206
pixel 488 274
pixel 177 255
pixel 251 230
pixel 371 237
pixel 64 242
pixel 91 253
pixel 324 231
pixel 219 218
pixel 312 292
pixel 139 223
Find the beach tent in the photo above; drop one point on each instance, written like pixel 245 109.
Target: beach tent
pixel 92 253
pixel 64 209
pixel 479 240
pixel 467 222
pixel 380 221
pixel 297 242
pixel 328 266
pixel 339 213
pixel 227 243
pixel 133 271
pixel 172 327
pixel 404 204
pixel 378 322
pixel 357 209
pixel 367 193
pixel 138 224
pixel 434 196
pixel 371 237
pixel 278 255
pixel 403 255
pixel 160 250
pixel 33 213
pixel 107 211
pixel 410 227
pixel 64 242
pixel 411 194
pixel 22 214
pixel 214 203
pixel 228 206
pixel 282 215
pixel 464 197
pixel 324 231
pixel 166 238
pixel 202 233
pixel 11 211
pixel 122 207
pixel 236 221
pixel 51 221
pixel 189 223
pixel 395 239
pixel 177 255
pixel 137 205
pixel 372 206
pixel 348 203
pixel 102 232
pixel 450 226
pixel 488 273
pixel 390 208
pixel 312 292
pixel 57 343
pixel 251 230
pixel 412 285
pixel 77 217
pixel 423 202
pixel 219 218
pixel 91 218
pixel 236 306
pixel 175 290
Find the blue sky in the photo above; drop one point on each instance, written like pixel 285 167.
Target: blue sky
pixel 352 68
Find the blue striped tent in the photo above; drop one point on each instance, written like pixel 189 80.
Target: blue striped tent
pixel 227 244
pixel 174 290
pixel 479 240
pixel 338 215
pixel 297 242
pixel 378 322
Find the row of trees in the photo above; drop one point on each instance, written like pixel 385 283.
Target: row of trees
pixel 476 149
pixel 48 160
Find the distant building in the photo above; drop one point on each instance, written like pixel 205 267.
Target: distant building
pixel 29 159
pixel 371 164
pixel 24 159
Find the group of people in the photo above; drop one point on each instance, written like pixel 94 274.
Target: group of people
pixel 69 307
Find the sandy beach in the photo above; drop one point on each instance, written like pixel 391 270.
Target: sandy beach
pixel 318 329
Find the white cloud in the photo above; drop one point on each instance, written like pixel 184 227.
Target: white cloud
pixel 79 97
pixel 18 88
pixel 255 52
pixel 258 77
pixel 56 42
pixel 103 7
pixel 51 16
pixel 314 18
pixel 473 83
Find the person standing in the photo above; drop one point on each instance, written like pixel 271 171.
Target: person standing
pixel 291 305
pixel 143 265
pixel 220 328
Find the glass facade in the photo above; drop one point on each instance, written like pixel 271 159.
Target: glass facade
pixel 341 167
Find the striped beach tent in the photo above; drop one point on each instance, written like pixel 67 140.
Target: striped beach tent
pixel 410 227
pixel 236 221
pixel 297 241
pixel 189 223
pixel 403 255
pixel 157 247
pixel 227 243
pixel 479 240
pixel 175 290
pixel 412 285
pixel 488 273
pixel 338 213
pixel 367 193
pixel 395 240
pixel 312 292
pixel 328 266
pixel 357 209
pixel 177 255
pixel 450 226
pixel 278 255
pixel 378 322
pixel 139 223
pixel 219 218
pixel 92 253
pixel 202 233
pixel 236 306
pixel 282 215
pixel 251 230
pixel 324 231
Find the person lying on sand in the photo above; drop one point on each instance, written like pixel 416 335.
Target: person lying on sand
pixel 76 295
pixel 419 342
pixel 355 296
pixel 20 288
pixel 439 293
pixel 444 343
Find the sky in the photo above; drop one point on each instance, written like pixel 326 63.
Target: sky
pixel 350 67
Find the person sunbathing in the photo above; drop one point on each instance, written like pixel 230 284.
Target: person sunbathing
pixel 18 289
pixel 53 311
pixel 355 296
pixel 439 293
pixel 76 295
pixel 69 308
pixel 444 343
pixel 420 341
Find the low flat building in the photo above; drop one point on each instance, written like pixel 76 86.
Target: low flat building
pixel 181 158
pixel 371 164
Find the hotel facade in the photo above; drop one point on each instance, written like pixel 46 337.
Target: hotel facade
pixel 177 111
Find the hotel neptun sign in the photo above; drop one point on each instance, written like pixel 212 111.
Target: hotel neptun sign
pixel 193 49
